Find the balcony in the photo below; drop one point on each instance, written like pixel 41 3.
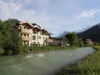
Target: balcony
pixel 26 38
pixel 49 40
pixel 26 31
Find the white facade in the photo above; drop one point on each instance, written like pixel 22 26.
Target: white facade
pixel 32 34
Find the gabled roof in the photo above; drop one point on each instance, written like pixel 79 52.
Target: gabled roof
pixel 33 26
pixel 36 26
pixel 25 23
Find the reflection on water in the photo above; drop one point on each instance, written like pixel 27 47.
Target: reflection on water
pixel 40 63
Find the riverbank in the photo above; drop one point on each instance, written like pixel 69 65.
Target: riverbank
pixel 88 66
pixel 35 49
pixel 43 49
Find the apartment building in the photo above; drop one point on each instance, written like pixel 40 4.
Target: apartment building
pixel 31 33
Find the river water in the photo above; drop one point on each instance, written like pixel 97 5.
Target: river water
pixel 41 63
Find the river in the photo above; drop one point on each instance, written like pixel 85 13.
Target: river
pixel 41 63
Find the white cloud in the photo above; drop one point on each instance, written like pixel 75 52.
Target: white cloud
pixel 49 14
pixel 18 11
pixel 87 14
pixel 8 9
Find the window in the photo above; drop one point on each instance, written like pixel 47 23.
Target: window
pixel 34 37
pixel 39 37
pixel 41 33
pixel 28 35
pixel 24 42
pixel 24 34
pixel 21 34
pixel 34 32
pixel 24 27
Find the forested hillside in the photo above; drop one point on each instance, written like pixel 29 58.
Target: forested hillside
pixel 91 33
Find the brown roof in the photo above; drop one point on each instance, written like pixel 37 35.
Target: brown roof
pixel 34 26
pixel 25 23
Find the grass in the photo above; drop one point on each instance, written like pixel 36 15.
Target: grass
pixel 50 48
pixel 88 66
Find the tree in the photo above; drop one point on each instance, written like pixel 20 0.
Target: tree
pixel 65 39
pixel 84 41
pixel 1 51
pixel 72 38
pixel 9 36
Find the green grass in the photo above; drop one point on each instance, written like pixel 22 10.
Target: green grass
pixel 50 48
pixel 89 66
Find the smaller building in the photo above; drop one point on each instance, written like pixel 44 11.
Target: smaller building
pixel 89 41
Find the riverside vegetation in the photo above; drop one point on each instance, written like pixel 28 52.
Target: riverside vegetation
pixel 88 66
pixel 11 43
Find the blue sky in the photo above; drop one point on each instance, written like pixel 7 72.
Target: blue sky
pixel 56 16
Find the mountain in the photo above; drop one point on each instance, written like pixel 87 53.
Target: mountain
pixel 62 34
pixel 92 33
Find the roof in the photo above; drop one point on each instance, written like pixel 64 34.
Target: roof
pixel 25 23
pixel 34 25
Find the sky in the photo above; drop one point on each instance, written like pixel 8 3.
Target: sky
pixel 56 16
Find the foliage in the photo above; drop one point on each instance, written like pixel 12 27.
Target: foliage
pixel 80 44
pixel 72 38
pixel 8 52
pixel 65 40
pixel 92 33
pixel 25 48
pixel 9 37
pixel 1 51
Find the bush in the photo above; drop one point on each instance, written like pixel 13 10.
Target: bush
pixel 25 48
pixel 1 51
pixel 9 52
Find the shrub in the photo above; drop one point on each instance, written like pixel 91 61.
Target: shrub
pixel 1 51
pixel 25 48
pixel 9 52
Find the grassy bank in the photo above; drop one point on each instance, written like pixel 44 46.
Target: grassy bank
pixel 35 49
pixel 89 66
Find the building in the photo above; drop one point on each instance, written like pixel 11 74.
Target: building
pixel 32 33
pixel 89 41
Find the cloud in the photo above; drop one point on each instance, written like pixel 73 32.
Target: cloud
pixel 17 10
pixel 53 15
pixel 88 13
pixel 8 9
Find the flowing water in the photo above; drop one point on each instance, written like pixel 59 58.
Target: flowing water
pixel 41 63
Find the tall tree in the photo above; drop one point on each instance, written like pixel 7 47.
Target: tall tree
pixel 9 36
pixel 72 38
